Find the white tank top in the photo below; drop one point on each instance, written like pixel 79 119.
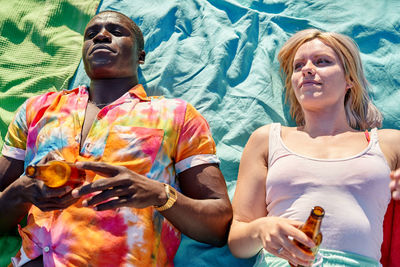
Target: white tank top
pixel 354 192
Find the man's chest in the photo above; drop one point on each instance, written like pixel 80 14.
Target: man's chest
pixel 129 136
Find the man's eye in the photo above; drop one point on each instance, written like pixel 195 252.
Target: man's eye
pixel 90 35
pixel 117 33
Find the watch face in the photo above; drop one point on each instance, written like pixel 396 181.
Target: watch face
pixel 168 191
pixel 172 192
pixel 172 196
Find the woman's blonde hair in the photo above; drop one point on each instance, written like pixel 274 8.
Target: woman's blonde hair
pixel 361 113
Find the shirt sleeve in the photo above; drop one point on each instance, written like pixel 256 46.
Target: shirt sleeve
pixel 195 143
pixel 15 140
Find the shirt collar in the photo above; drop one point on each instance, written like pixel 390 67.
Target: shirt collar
pixel 139 92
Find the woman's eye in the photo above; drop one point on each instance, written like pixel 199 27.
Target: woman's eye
pixel 323 61
pixel 298 66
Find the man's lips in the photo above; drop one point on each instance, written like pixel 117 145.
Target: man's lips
pixel 101 47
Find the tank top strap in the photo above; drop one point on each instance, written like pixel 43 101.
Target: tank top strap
pixel 375 148
pixel 374 135
pixel 274 140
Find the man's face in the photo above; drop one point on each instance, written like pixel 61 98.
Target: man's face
pixel 109 48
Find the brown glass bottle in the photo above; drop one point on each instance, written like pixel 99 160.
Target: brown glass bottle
pixel 312 228
pixel 57 173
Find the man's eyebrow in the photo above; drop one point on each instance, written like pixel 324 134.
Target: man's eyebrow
pixel 116 25
pixel 91 27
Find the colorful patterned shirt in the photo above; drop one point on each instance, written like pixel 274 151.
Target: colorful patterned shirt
pixel 153 136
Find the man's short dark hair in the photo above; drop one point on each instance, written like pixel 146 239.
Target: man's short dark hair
pixel 134 27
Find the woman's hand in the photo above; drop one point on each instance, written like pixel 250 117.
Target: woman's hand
pixel 121 188
pixel 277 235
pixel 395 184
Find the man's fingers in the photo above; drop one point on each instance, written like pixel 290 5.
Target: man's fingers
pixel 105 195
pixel 99 185
pixel 101 168
pixel 49 192
pixel 54 204
pixel 113 204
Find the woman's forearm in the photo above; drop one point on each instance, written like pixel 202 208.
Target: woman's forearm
pixel 243 240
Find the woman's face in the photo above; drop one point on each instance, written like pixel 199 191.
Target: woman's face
pixel 318 78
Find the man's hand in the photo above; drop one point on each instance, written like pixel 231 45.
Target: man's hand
pixel 121 187
pixel 45 198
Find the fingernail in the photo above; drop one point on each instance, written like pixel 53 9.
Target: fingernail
pixel 95 208
pixel 85 203
pixel 75 193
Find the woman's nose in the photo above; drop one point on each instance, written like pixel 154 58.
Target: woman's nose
pixel 309 68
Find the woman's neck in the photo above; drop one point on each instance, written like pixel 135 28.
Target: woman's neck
pixel 325 123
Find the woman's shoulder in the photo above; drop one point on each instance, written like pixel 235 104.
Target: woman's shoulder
pixel 389 142
pixel 389 135
pixel 265 130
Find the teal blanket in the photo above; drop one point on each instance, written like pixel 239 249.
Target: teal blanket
pixel 220 55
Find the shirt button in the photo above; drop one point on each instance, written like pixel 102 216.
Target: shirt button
pixel 46 249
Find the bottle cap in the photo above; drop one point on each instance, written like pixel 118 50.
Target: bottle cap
pixel 318 211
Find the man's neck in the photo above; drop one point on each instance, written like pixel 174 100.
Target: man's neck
pixel 106 91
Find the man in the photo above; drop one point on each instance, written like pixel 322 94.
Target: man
pixel 131 146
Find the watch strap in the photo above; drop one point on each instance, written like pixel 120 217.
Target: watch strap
pixel 172 197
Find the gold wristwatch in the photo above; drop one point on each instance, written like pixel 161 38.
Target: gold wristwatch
pixel 172 197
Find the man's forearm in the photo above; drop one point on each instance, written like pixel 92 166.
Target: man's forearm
pixel 203 220
pixel 13 208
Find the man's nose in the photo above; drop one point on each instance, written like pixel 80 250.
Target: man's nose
pixel 103 36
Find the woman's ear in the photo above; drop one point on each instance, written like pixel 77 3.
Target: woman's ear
pixel 349 83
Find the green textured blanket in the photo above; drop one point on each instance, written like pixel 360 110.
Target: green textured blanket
pixel 40 44
pixel 40 49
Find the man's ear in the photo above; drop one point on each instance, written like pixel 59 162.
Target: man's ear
pixel 142 56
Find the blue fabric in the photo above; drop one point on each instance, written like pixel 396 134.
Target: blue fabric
pixel 324 258
pixel 220 55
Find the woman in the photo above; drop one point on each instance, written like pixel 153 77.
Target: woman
pixel 330 159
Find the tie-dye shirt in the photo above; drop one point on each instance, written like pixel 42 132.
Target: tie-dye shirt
pixel 153 136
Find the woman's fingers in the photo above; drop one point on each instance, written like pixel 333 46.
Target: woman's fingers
pixel 280 242
pixel 395 184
